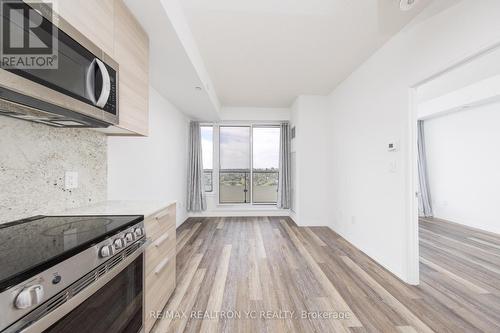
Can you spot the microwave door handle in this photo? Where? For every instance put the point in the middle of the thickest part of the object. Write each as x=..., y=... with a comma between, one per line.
x=106, y=84
x=90, y=82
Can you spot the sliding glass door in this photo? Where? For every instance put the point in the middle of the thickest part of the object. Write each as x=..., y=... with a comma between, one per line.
x=265, y=158
x=234, y=171
x=207, y=144
x=248, y=164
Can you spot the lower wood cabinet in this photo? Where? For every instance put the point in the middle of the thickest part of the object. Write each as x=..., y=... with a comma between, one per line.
x=159, y=262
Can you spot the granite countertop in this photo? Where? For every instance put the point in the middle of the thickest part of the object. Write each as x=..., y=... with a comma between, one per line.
x=119, y=207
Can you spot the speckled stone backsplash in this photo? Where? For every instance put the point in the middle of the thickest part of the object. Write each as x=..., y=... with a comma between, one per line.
x=33, y=161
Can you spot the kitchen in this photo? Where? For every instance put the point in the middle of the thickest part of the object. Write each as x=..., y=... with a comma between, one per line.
x=75, y=248
x=235, y=166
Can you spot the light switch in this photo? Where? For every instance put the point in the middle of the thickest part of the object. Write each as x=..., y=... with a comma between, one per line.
x=71, y=180
x=393, y=166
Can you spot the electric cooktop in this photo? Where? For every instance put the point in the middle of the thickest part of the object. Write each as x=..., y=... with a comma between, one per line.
x=29, y=246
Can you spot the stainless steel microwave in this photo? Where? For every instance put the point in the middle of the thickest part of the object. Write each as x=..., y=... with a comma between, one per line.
x=81, y=91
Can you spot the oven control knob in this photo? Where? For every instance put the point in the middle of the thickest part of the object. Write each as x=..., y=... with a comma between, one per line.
x=130, y=237
x=119, y=243
x=29, y=297
x=106, y=251
x=139, y=232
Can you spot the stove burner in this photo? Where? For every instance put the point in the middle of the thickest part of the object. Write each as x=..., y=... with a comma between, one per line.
x=32, y=245
x=78, y=226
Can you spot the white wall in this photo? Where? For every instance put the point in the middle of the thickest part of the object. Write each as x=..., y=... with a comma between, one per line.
x=470, y=73
x=154, y=167
x=463, y=160
x=371, y=187
x=254, y=114
x=310, y=187
x=480, y=93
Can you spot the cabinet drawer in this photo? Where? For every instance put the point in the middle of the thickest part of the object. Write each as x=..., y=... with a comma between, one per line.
x=160, y=284
x=160, y=222
x=161, y=247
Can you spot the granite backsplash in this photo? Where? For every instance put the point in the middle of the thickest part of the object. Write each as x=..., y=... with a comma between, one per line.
x=33, y=162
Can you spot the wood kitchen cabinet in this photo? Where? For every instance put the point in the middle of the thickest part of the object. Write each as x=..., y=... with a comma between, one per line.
x=159, y=264
x=93, y=18
x=131, y=51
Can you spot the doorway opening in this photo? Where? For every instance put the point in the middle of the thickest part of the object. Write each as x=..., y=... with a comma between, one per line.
x=455, y=125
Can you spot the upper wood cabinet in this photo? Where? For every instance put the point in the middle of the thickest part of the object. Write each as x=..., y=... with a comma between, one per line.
x=93, y=18
x=131, y=51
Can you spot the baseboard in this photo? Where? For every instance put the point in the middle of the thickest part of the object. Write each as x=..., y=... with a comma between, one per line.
x=379, y=262
x=184, y=221
x=293, y=217
x=240, y=213
x=403, y=279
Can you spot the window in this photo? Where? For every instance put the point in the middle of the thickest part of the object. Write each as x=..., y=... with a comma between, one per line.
x=234, y=172
x=207, y=148
x=266, y=150
x=249, y=164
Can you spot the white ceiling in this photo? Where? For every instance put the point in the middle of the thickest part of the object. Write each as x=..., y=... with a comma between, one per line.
x=176, y=68
x=264, y=53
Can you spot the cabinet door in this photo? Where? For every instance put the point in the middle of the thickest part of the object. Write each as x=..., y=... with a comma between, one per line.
x=131, y=51
x=92, y=18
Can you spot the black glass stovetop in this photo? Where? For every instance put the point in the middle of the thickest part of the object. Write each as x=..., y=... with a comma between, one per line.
x=29, y=246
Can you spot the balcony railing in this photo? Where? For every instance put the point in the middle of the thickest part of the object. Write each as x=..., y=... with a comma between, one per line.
x=265, y=186
x=234, y=186
x=208, y=180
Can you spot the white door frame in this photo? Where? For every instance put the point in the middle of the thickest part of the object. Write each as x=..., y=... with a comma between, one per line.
x=413, y=262
x=413, y=255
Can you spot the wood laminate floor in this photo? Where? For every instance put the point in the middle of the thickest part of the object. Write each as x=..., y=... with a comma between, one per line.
x=264, y=274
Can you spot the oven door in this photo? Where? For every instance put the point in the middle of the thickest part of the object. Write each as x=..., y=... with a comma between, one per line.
x=116, y=307
x=108, y=299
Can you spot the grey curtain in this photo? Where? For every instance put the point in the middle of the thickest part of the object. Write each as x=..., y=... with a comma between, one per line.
x=195, y=193
x=285, y=178
x=424, y=197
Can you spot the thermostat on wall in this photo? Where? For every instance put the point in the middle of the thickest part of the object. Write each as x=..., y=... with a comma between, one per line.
x=391, y=146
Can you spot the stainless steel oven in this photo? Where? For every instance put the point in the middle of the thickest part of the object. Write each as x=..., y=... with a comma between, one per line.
x=73, y=274
x=116, y=307
x=81, y=91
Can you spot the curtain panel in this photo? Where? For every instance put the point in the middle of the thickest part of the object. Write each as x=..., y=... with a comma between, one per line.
x=285, y=178
x=196, y=201
x=424, y=197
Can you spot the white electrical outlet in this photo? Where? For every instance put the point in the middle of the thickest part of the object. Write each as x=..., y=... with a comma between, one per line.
x=71, y=180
